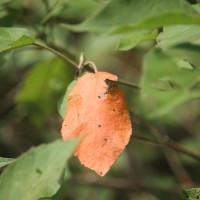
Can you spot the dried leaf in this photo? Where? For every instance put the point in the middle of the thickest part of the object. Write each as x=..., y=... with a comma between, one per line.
x=97, y=112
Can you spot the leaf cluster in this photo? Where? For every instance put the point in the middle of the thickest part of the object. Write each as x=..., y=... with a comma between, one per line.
x=154, y=44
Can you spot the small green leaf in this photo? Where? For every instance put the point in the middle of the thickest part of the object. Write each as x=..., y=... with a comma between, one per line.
x=137, y=37
x=11, y=38
x=37, y=173
x=5, y=161
x=21, y=42
x=174, y=35
x=43, y=87
x=120, y=16
x=187, y=52
x=63, y=105
x=165, y=84
x=77, y=11
x=184, y=64
x=191, y=194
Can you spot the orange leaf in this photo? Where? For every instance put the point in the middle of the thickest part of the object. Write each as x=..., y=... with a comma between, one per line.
x=99, y=113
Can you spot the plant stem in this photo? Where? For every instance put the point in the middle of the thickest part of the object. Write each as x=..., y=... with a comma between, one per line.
x=169, y=143
x=166, y=140
x=177, y=168
x=147, y=140
x=129, y=84
x=163, y=140
x=75, y=65
x=89, y=63
x=171, y=156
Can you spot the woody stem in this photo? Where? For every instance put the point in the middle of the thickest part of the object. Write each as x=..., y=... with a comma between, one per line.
x=64, y=57
x=76, y=66
x=91, y=64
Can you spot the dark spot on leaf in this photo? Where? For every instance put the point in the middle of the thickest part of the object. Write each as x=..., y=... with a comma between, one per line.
x=99, y=97
x=108, y=82
x=70, y=98
x=99, y=125
x=65, y=125
x=38, y=171
x=101, y=173
x=113, y=109
x=105, y=139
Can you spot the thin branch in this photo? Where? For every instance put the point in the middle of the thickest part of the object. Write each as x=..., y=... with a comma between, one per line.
x=75, y=65
x=170, y=155
x=120, y=184
x=173, y=161
x=178, y=169
x=89, y=63
x=147, y=140
x=129, y=84
x=166, y=140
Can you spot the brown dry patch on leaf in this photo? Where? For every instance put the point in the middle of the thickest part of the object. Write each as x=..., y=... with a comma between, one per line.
x=99, y=114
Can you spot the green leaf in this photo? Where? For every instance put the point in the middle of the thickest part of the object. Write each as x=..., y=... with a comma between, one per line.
x=78, y=11
x=11, y=38
x=43, y=87
x=186, y=52
x=38, y=173
x=184, y=64
x=58, y=7
x=191, y=194
x=5, y=161
x=63, y=105
x=174, y=35
x=4, y=2
x=165, y=84
x=137, y=37
x=127, y=15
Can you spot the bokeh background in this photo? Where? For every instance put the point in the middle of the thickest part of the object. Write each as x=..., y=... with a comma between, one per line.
x=34, y=80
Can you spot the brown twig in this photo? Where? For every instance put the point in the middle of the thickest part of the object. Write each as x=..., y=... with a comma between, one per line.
x=120, y=184
x=147, y=140
x=166, y=140
x=129, y=84
x=172, y=160
x=177, y=168
x=89, y=63
x=171, y=157
x=77, y=66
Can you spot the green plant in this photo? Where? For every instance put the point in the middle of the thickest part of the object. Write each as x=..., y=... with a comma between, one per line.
x=153, y=46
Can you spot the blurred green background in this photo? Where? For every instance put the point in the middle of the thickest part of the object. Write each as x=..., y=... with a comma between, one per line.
x=154, y=44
